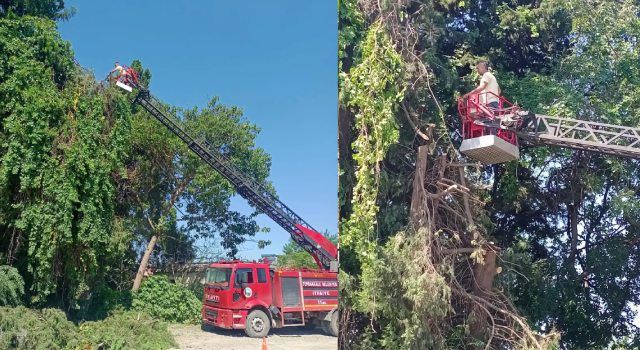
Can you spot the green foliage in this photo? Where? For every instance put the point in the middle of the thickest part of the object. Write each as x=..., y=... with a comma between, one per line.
x=45, y=329
x=127, y=330
x=534, y=36
x=578, y=59
x=208, y=197
x=534, y=279
x=414, y=291
x=85, y=180
x=62, y=142
x=351, y=29
x=50, y=9
x=587, y=292
x=170, y=184
x=104, y=302
x=197, y=289
x=167, y=301
x=34, y=329
x=294, y=256
x=372, y=89
x=11, y=286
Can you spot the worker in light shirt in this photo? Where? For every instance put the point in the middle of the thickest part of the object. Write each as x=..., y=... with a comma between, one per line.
x=488, y=89
x=118, y=70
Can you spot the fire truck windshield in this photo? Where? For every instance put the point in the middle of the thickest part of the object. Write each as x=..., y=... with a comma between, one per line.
x=219, y=276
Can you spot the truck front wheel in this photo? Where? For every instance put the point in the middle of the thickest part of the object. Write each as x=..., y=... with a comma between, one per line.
x=258, y=324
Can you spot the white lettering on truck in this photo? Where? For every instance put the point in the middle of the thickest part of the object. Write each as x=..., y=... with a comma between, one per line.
x=326, y=284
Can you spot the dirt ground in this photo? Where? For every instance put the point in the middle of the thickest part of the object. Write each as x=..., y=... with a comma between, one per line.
x=192, y=337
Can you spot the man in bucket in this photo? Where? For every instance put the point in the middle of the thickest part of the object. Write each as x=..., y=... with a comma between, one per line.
x=488, y=89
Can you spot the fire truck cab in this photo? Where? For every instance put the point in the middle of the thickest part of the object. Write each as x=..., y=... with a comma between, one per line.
x=255, y=297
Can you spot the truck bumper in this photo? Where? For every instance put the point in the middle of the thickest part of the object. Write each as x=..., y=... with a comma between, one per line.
x=224, y=318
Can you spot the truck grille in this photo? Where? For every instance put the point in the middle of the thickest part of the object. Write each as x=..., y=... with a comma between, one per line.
x=211, y=314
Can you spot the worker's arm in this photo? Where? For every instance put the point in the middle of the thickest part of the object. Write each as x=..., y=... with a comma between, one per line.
x=483, y=84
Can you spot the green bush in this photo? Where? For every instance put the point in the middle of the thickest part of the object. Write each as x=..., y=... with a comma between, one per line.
x=167, y=301
x=198, y=289
x=22, y=328
x=11, y=286
x=125, y=330
x=104, y=302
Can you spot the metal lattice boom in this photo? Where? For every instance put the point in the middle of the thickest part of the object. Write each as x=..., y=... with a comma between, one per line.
x=582, y=135
x=249, y=189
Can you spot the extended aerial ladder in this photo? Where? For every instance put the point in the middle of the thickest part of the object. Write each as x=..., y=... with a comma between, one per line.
x=492, y=135
x=324, y=252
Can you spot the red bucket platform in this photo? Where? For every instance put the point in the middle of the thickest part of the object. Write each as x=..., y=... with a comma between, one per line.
x=487, y=144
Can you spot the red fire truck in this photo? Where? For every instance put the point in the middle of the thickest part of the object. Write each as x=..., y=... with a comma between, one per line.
x=253, y=295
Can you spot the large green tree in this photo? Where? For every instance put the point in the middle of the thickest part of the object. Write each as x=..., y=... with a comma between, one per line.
x=173, y=195
x=89, y=183
x=570, y=216
x=565, y=220
x=62, y=140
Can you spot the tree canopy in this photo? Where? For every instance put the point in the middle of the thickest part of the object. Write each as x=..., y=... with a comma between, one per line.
x=87, y=179
x=563, y=222
x=50, y=9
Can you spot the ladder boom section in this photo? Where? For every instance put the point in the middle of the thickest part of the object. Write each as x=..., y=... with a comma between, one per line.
x=323, y=251
x=592, y=136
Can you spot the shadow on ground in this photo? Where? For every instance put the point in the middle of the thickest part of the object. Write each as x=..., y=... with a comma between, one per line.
x=282, y=332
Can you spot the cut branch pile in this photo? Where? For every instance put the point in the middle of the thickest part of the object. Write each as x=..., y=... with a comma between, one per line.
x=443, y=209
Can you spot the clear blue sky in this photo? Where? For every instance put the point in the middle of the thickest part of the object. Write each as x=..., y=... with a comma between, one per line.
x=274, y=59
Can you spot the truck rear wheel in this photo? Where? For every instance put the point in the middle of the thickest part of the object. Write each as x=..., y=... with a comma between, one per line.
x=258, y=324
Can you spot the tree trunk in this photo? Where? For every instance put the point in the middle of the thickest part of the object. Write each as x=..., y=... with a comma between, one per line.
x=483, y=274
x=573, y=226
x=346, y=180
x=465, y=198
x=417, y=210
x=144, y=262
